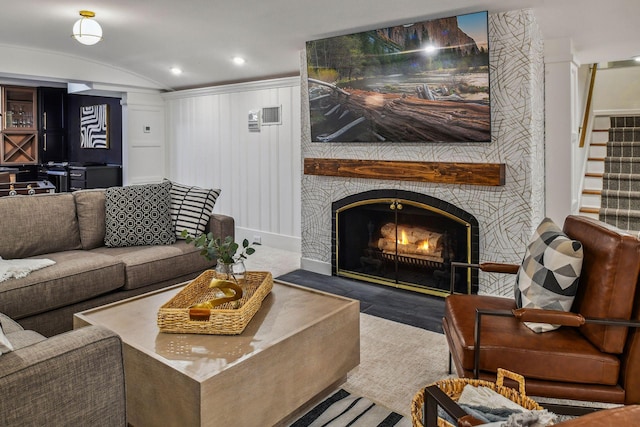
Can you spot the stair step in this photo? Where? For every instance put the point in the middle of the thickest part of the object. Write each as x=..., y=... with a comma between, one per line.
x=621, y=177
x=624, y=134
x=622, y=165
x=590, y=210
x=596, y=159
x=624, y=219
x=595, y=192
x=594, y=175
x=593, y=183
x=624, y=121
x=627, y=194
x=622, y=159
x=598, y=150
x=600, y=167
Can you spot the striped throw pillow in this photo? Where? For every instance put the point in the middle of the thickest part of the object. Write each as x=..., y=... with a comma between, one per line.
x=191, y=208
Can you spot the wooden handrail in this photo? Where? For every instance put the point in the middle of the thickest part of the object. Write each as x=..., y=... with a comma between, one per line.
x=587, y=107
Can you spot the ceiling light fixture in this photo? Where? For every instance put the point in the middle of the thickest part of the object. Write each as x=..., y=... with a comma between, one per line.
x=238, y=60
x=86, y=30
x=176, y=70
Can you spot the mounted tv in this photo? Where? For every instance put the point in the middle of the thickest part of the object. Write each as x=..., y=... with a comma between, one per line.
x=420, y=82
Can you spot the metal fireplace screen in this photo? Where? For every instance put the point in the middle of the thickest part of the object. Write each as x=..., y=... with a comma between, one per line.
x=406, y=242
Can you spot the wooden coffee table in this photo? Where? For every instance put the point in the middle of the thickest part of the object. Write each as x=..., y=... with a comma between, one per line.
x=299, y=344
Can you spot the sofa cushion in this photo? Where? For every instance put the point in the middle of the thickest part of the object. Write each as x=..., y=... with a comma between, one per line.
x=549, y=274
x=145, y=265
x=91, y=217
x=138, y=215
x=38, y=224
x=76, y=276
x=191, y=208
x=560, y=355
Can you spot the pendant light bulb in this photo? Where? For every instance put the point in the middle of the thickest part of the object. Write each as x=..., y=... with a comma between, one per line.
x=87, y=30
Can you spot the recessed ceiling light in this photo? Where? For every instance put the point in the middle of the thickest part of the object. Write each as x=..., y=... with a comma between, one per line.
x=176, y=70
x=239, y=60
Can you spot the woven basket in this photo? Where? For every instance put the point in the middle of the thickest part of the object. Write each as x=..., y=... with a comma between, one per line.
x=230, y=318
x=453, y=388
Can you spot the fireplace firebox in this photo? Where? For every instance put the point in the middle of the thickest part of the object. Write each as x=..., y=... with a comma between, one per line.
x=406, y=240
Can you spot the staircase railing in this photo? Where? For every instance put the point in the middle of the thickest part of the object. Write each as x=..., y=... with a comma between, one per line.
x=587, y=107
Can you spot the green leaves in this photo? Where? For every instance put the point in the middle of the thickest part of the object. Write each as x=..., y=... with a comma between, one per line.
x=217, y=249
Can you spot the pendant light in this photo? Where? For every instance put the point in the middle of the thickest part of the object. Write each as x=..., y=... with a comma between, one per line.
x=87, y=30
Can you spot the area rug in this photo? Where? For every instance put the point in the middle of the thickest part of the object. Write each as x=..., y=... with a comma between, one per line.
x=396, y=360
x=343, y=409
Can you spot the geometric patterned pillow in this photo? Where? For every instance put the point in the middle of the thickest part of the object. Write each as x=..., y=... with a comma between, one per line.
x=138, y=215
x=191, y=208
x=549, y=274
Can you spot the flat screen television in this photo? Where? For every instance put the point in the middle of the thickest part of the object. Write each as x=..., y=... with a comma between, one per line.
x=420, y=82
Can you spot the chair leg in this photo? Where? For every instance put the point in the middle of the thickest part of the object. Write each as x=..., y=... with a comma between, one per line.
x=449, y=363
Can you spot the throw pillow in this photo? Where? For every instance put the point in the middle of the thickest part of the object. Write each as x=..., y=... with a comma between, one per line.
x=191, y=208
x=5, y=345
x=138, y=215
x=549, y=274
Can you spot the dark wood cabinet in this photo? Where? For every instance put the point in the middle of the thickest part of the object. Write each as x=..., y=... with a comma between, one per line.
x=52, y=130
x=83, y=177
x=19, y=137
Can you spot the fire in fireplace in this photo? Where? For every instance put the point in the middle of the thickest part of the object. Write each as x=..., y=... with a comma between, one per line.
x=404, y=239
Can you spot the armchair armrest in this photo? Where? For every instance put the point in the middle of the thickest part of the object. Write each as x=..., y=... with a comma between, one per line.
x=555, y=317
x=435, y=397
x=489, y=267
x=75, y=378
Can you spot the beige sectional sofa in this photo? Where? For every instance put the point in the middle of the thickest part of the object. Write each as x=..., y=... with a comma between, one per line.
x=69, y=229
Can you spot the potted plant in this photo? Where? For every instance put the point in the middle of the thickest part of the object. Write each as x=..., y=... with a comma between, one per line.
x=227, y=252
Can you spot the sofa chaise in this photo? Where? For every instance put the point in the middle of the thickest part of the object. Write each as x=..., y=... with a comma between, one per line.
x=71, y=379
x=69, y=229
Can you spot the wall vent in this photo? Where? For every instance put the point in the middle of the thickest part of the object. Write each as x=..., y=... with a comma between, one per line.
x=272, y=116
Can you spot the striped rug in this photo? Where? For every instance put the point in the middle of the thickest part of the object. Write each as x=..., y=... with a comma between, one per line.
x=343, y=409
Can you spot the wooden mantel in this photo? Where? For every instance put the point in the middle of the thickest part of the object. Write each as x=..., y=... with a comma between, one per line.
x=491, y=174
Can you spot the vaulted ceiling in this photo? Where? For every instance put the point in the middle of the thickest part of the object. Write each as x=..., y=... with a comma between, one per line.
x=145, y=38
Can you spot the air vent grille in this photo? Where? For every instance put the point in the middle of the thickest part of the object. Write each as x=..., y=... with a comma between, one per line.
x=271, y=116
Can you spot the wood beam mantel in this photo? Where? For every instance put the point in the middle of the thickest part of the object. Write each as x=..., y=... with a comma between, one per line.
x=490, y=174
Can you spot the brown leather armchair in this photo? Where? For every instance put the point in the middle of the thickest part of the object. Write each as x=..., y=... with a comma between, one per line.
x=594, y=356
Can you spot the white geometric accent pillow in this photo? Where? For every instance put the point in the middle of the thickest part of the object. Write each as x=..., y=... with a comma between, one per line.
x=549, y=274
x=138, y=215
x=191, y=208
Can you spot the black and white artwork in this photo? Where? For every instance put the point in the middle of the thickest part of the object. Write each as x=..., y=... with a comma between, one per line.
x=94, y=132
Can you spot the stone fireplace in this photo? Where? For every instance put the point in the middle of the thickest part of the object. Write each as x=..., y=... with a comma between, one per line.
x=506, y=214
x=404, y=239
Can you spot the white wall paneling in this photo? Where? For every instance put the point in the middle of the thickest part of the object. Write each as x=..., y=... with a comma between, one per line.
x=143, y=154
x=563, y=159
x=209, y=145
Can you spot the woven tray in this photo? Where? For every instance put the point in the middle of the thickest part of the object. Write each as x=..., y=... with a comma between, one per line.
x=453, y=388
x=229, y=318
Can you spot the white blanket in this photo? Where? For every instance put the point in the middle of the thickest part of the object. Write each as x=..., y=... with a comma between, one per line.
x=18, y=268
